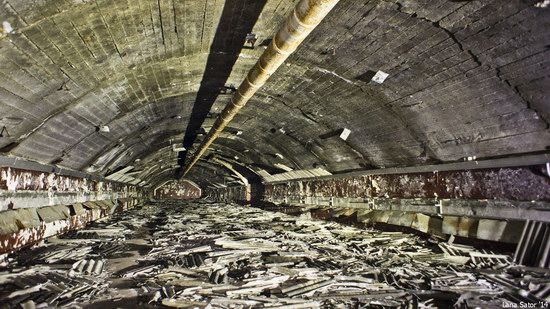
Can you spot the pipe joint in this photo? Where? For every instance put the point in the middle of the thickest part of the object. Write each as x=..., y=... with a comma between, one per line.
x=279, y=50
x=251, y=84
x=301, y=22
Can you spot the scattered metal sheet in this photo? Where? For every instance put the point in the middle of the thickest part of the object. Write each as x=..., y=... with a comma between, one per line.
x=53, y=213
x=215, y=255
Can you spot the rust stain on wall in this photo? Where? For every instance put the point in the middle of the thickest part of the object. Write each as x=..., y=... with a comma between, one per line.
x=516, y=184
x=30, y=236
x=13, y=179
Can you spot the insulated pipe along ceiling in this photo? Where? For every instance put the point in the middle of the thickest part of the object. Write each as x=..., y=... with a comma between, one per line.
x=304, y=18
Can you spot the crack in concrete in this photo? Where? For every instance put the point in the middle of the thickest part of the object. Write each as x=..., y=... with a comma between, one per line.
x=436, y=24
x=336, y=75
x=528, y=103
x=305, y=145
x=83, y=40
x=161, y=26
x=175, y=17
x=476, y=59
x=304, y=113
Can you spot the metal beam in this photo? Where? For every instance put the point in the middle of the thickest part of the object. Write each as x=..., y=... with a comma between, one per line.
x=513, y=161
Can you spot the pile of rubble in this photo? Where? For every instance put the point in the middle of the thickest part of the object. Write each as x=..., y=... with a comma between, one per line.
x=209, y=255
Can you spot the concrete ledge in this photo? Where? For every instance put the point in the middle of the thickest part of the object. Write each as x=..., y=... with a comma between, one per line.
x=486, y=209
x=24, y=227
x=508, y=231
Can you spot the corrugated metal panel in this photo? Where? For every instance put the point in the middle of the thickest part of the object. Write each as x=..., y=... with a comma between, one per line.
x=78, y=209
x=53, y=213
x=12, y=221
x=297, y=174
x=91, y=205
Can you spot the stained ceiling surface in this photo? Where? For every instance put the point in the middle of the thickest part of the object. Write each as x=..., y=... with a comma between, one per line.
x=125, y=85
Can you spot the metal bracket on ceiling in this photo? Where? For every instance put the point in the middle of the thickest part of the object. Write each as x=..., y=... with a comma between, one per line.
x=4, y=129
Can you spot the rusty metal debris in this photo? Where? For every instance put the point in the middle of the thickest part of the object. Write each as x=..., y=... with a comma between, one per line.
x=213, y=255
x=534, y=246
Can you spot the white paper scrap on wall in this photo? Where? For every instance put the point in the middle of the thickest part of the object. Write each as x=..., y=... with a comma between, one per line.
x=345, y=134
x=379, y=77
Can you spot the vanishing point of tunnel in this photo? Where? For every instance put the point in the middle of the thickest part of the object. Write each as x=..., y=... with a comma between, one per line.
x=275, y=154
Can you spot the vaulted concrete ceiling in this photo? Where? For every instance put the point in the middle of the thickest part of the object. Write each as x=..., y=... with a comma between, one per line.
x=466, y=78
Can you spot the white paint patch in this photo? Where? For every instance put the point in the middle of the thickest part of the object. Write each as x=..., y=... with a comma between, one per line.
x=7, y=27
x=542, y=4
x=334, y=73
x=380, y=77
x=339, y=158
x=11, y=182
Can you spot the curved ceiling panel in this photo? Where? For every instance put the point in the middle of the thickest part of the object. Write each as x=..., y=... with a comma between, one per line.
x=465, y=78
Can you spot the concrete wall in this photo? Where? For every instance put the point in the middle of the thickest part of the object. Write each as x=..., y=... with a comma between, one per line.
x=484, y=203
x=178, y=190
x=44, y=202
x=21, y=188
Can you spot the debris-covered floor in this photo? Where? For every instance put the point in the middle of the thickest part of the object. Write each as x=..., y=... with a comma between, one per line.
x=210, y=255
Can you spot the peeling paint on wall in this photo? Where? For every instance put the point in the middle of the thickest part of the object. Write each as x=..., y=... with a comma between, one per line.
x=23, y=188
x=516, y=184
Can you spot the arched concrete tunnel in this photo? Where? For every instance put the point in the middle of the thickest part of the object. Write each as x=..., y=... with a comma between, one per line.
x=200, y=141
